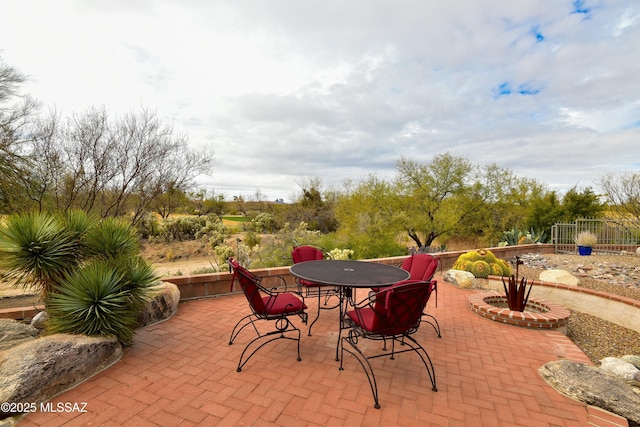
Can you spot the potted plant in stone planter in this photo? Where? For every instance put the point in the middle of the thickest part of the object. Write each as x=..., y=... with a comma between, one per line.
x=585, y=240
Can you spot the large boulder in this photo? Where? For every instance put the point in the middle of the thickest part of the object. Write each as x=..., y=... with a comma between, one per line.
x=13, y=333
x=37, y=370
x=593, y=386
x=633, y=359
x=163, y=304
x=462, y=279
x=559, y=276
x=623, y=369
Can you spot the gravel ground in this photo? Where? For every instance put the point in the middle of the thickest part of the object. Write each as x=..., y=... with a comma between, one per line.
x=615, y=274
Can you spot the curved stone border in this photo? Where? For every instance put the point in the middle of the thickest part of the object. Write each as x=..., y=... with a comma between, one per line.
x=547, y=316
x=617, y=298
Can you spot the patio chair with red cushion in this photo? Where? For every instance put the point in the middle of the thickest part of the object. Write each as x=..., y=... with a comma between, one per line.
x=309, y=289
x=268, y=305
x=392, y=314
x=424, y=267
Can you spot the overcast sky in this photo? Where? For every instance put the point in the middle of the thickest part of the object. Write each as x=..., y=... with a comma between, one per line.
x=285, y=90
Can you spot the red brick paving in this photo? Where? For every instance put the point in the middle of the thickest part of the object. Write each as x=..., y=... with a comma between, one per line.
x=183, y=372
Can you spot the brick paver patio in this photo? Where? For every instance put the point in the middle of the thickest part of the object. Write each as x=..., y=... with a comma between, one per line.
x=183, y=372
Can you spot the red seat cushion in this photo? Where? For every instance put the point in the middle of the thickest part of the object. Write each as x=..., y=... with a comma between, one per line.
x=309, y=284
x=283, y=303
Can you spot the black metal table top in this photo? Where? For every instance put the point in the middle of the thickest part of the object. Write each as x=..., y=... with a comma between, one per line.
x=353, y=274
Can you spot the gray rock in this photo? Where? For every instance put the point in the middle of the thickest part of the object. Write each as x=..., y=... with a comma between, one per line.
x=38, y=370
x=559, y=276
x=463, y=279
x=593, y=386
x=162, y=305
x=13, y=333
x=622, y=369
x=633, y=359
x=39, y=321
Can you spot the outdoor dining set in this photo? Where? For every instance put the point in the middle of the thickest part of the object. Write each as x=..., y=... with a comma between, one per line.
x=390, y=307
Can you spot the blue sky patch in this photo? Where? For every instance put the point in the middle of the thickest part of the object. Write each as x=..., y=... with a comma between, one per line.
x=535, y=31
x=505, y=89
x=580, y=8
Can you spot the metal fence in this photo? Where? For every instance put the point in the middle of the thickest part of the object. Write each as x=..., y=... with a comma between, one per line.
x=614, y=236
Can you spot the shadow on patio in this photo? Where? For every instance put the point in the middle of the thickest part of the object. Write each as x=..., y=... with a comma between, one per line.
x=183, y=372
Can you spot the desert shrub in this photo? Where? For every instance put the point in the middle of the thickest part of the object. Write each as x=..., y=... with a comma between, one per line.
x=264, y=222
x=340, y=253
x=223, y=253
x=214, y=231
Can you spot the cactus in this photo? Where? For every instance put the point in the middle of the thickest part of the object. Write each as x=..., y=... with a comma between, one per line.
x=481, y=269
x=482, y=263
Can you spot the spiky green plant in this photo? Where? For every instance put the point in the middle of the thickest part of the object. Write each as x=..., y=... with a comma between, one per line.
x=469, y=262
x=93, y=301
x=36, y=250
x=139, y=277
x=481, y=269
x=112, y=238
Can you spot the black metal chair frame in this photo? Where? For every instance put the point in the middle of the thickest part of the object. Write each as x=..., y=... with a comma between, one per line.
x=401, y=334
x=281, y=323
x=318, y=292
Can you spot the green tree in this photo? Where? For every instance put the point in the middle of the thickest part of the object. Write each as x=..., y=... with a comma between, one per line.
x=581, y=204
x=432, y=196
x=368, y=218
x=170, y=200
x=545, y=211
x=314, y=206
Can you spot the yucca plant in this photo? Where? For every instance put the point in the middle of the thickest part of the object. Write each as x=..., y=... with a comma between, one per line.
x=112, y=238
x=36, y=250
x=89, y=271
x=93, y=301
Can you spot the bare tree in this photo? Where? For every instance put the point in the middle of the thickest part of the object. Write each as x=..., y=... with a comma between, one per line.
x=116, y=168
x=623, y=193
x=16, y=111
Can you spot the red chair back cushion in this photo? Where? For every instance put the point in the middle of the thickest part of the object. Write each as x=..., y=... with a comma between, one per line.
x=306, y=253
x=421, y=266
x=402, y=308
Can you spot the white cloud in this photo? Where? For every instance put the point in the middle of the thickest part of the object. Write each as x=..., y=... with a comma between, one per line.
x=285, y=90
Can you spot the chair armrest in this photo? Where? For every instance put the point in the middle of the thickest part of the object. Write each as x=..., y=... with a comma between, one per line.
x=282, y=288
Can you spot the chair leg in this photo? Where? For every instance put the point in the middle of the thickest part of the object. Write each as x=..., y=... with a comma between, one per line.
x=242, y=323
x=283, y=326
x=364, y=363
x=420, y=350
x=435, y=325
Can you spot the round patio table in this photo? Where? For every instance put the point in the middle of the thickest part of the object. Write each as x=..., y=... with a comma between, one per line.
x=346, y=275
x=349, y=273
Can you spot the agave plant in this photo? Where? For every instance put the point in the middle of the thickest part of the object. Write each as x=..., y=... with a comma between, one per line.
x=516, y=293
